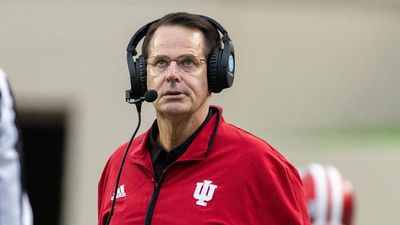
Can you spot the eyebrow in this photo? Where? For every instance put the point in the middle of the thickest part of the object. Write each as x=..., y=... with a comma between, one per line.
x=164, y=56
x=158, y=56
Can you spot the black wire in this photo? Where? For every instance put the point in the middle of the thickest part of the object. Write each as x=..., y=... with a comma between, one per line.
x=138, y=108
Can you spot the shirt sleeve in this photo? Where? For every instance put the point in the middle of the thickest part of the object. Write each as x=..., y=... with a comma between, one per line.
x=279, y=190
x=288, y=190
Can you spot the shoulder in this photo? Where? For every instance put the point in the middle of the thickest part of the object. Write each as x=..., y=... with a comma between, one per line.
x=248, y=142
x=114, y=161
x=116, y=157
x=255, y=151
x=263, y=168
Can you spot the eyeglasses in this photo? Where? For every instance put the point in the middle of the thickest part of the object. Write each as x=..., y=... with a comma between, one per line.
x=186, y=63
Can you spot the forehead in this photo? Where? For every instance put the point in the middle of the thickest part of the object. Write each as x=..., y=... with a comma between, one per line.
x=176, y=40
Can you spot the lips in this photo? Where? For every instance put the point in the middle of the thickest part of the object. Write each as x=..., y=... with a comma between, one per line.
x=172, y=93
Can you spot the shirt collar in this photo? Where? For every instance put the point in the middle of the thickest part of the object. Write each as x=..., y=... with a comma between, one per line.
x=139, y=152
x=157, y=151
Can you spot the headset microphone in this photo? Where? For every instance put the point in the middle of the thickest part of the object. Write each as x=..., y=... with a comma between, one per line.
x=149, y=96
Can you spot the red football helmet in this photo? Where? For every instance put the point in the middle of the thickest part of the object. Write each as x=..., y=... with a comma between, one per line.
x=330, y=196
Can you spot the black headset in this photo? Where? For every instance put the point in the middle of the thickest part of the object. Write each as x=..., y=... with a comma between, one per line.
x=220, y=63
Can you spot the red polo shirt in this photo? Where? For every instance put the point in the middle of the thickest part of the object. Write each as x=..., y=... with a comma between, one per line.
x=226, y=176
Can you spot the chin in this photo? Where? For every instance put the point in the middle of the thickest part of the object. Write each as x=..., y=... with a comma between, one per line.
x=173, y=109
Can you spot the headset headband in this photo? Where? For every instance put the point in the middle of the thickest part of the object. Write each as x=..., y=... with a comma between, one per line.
x=141, y=33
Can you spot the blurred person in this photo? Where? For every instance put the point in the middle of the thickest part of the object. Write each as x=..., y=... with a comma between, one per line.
x=14, y=204
x=330, y=196
x=190, y=166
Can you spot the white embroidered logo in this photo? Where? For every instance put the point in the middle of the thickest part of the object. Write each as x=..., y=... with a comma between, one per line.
x=120, y=192
x=204, y=192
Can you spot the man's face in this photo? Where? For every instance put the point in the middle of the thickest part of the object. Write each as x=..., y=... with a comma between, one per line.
x=182, y=86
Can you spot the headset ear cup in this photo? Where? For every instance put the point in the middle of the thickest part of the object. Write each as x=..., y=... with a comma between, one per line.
x=142, y=74
x=212, y=71
x=133, y=92
x=227, y=65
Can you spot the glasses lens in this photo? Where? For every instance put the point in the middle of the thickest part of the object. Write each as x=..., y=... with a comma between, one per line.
x=159, y=63
x=186, y=63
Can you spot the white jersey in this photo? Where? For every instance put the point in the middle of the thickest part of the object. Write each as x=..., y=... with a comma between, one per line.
x=14, y=204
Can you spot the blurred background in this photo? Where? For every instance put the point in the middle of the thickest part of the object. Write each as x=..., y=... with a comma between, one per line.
x=316, y=79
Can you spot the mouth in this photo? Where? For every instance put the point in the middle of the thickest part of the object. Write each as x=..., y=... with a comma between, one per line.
x=173, y=96
x=172, y=93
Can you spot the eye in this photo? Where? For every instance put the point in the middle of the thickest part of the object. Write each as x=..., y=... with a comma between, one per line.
x=187, y=62
x=161, y=62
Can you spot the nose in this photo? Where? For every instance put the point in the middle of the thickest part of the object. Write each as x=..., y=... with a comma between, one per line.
x=173, y=72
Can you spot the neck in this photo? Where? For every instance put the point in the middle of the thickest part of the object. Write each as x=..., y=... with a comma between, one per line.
x=174, y=130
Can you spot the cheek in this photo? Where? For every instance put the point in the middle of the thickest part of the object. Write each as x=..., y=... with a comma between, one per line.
x=204, y=83
x=153, y=82
x=201, y=81
x=197, y=83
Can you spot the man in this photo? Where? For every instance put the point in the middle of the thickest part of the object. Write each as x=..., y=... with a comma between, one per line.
x=191, y=167
x=14, y=204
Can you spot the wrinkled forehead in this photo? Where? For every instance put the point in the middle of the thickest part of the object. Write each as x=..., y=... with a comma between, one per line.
x=174, y=41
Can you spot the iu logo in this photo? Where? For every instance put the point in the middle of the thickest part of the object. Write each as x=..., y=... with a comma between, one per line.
x=204, y=192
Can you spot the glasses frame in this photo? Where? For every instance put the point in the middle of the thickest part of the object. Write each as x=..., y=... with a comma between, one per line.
x=179, y=61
